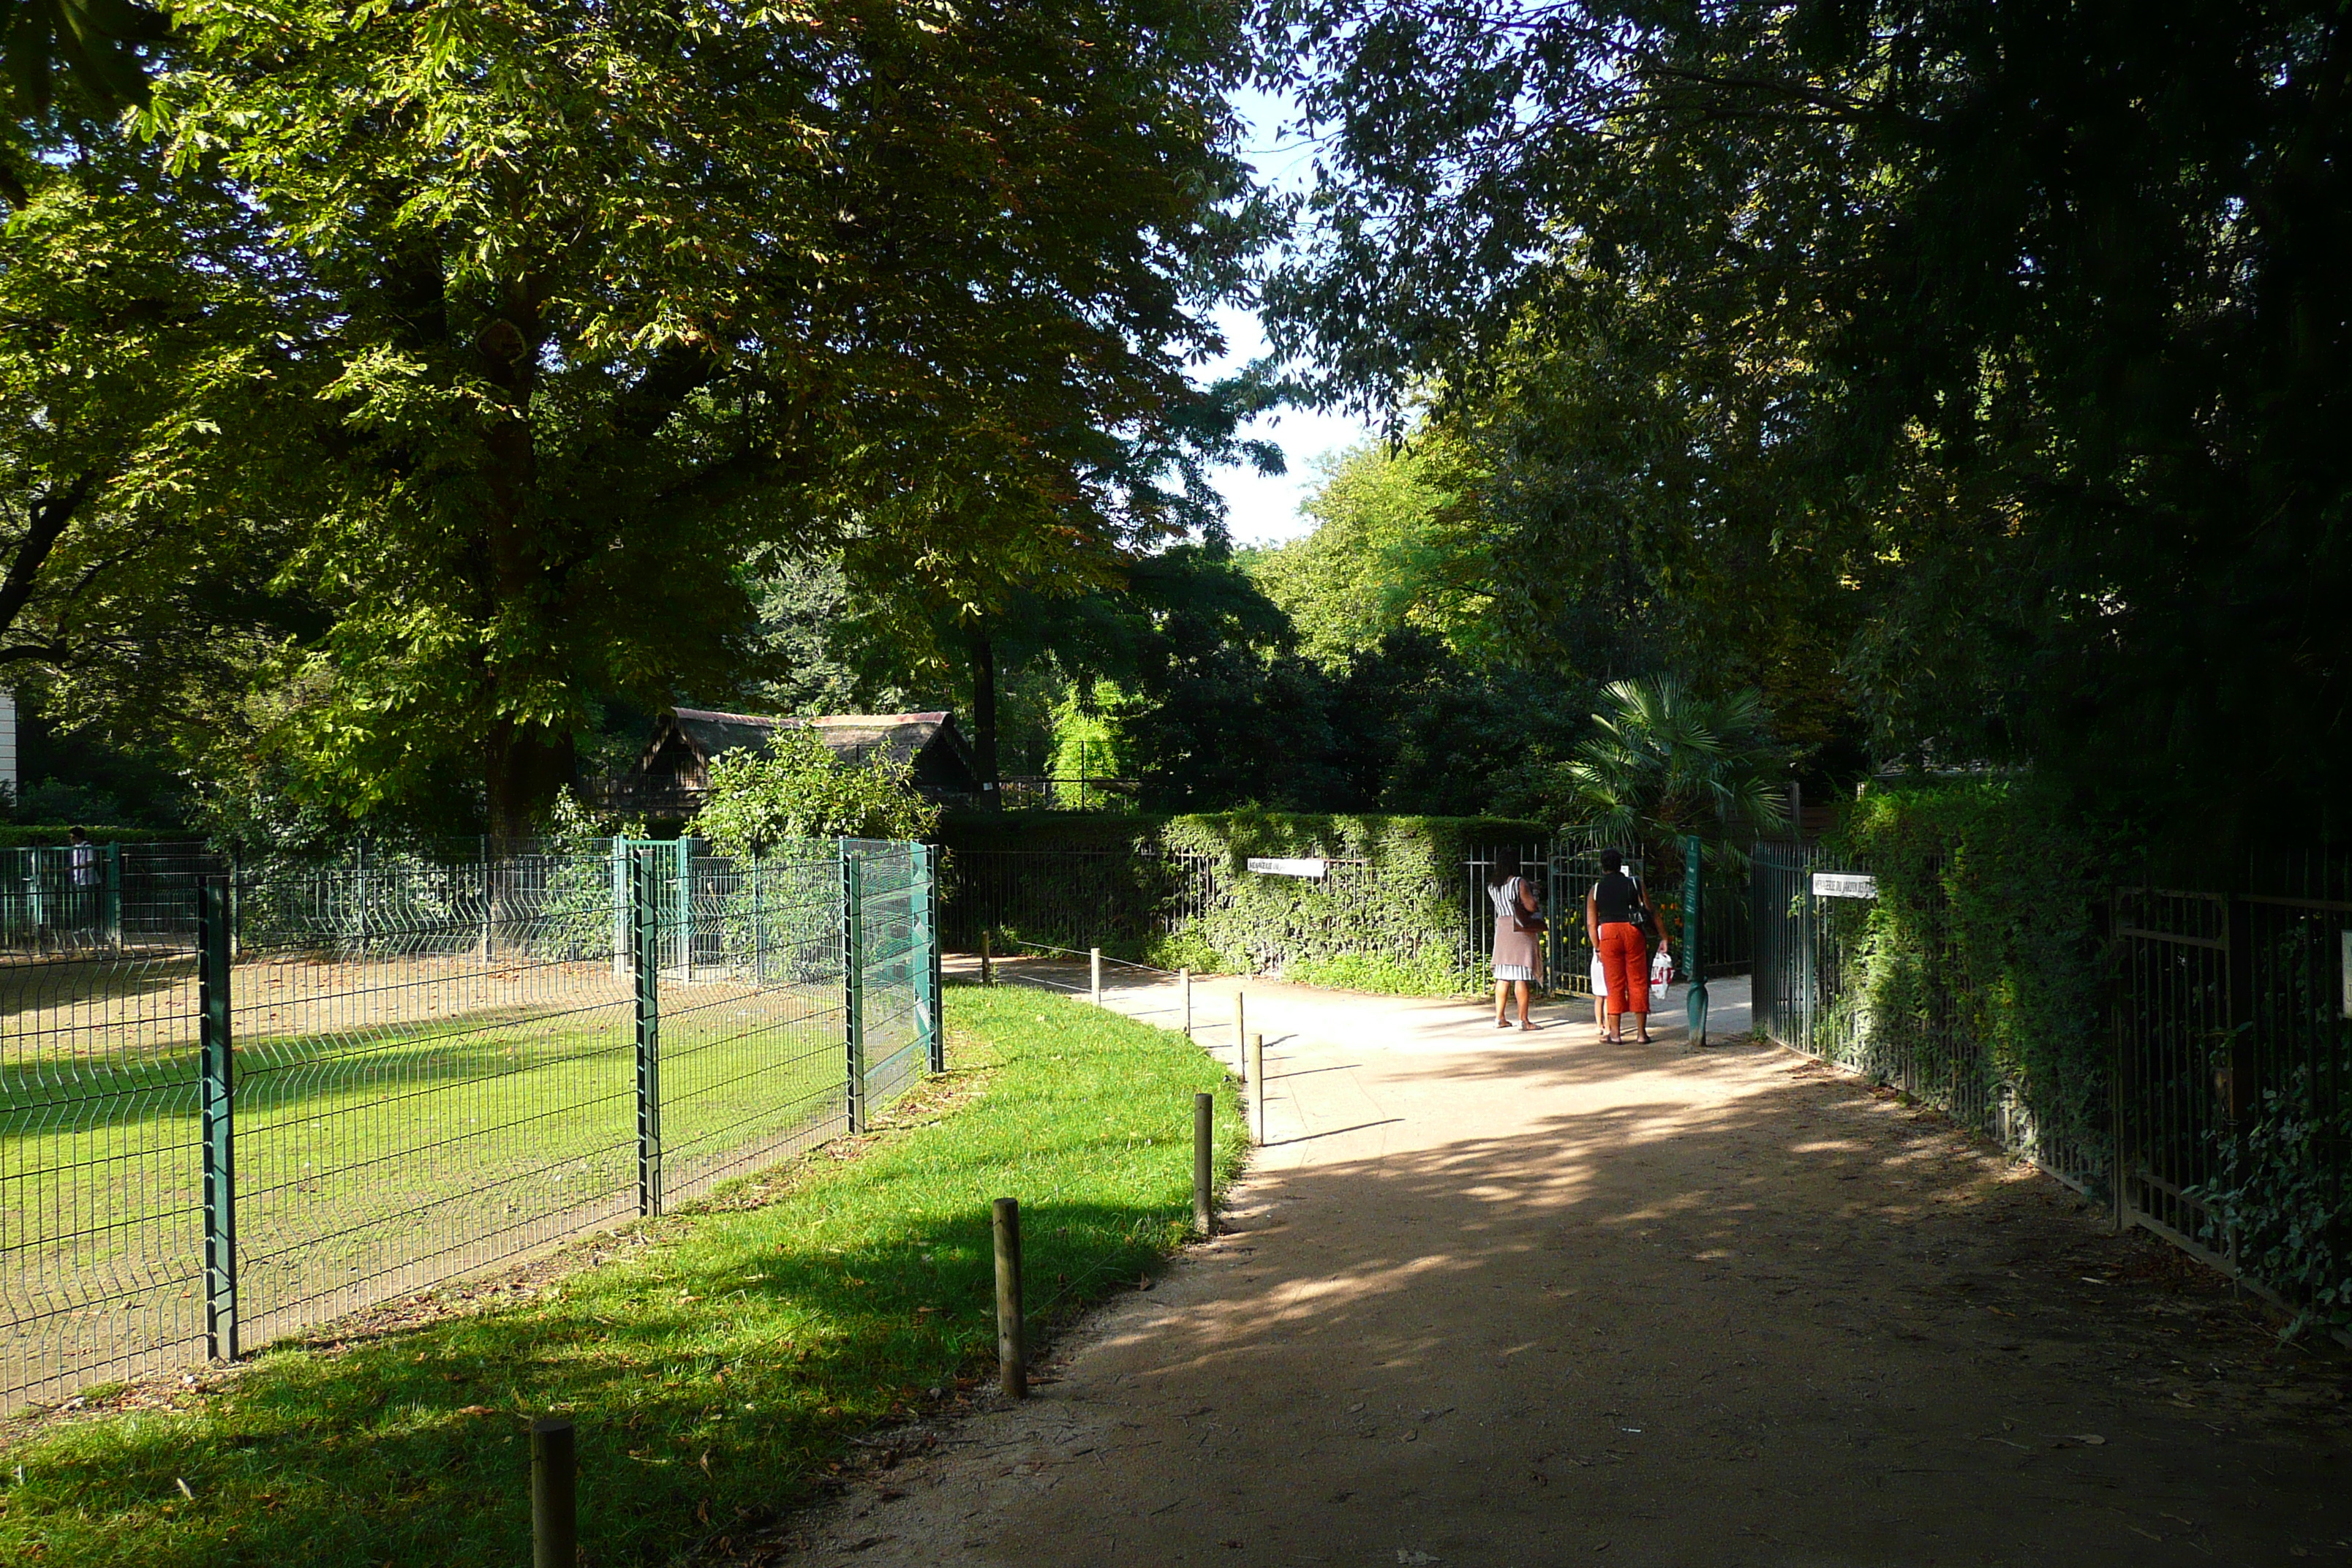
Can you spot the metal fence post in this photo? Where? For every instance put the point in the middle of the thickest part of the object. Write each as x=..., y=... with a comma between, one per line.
x=1094, y=974
x=110, y=910
x=623, y=952
x=925, y=909
x=1694, y=890
x=645, y=927
x=685, y=916
x=216, y=1069
x=489, y=900
x=853, y=987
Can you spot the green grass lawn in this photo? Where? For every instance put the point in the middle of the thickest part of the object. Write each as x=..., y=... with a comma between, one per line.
x=710, y=1375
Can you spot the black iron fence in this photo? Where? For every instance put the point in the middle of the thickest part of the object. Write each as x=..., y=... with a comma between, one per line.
x=1071, y=898
x=2232, y=1018
x=1831, y=983
x=1563, y=873
x=2221, y=1114
x=353, y=1083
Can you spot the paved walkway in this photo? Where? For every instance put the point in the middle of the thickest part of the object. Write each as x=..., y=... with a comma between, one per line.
x=1489, y=1298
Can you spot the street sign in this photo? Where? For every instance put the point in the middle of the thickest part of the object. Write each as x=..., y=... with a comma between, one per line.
x=1844, y=885
x=1275, y=865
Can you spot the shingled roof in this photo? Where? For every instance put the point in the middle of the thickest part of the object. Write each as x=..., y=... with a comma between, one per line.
x=685, y=739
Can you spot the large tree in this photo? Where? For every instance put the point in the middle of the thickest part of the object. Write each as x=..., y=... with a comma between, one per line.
x=580, y=312
x=2023, y=321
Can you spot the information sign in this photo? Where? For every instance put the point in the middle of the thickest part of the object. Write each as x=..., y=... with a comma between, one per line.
x=1844, y=885
x=1274, y=866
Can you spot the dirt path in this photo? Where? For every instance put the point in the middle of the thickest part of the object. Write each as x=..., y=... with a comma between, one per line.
x=1495, y=1299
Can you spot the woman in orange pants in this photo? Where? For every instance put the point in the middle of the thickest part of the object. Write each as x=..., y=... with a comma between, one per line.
x=1618, y=913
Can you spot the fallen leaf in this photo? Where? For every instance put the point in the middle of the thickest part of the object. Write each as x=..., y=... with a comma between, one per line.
x=2090, y=1439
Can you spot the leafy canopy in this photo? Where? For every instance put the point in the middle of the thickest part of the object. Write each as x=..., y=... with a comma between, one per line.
x=2016, y=333
x=1663, y=762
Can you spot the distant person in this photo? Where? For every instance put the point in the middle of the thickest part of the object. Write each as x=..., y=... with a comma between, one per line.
x=1518, y=936
x=1619, y=913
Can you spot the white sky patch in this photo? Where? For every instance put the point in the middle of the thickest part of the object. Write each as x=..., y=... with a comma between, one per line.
x=1262, y=508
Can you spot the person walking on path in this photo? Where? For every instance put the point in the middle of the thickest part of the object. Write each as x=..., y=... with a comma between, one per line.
x=1618, y=914
x=1518, y=928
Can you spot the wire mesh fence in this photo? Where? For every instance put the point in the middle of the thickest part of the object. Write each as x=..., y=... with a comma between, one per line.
x=355, y=1082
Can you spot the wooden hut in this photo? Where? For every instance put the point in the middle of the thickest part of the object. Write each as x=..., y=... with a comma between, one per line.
x=674, y=772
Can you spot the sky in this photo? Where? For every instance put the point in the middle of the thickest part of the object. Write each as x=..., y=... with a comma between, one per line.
x=1264, y=508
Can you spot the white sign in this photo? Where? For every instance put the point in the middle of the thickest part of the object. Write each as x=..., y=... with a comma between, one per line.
x=1272, y=865
x=1844, y=885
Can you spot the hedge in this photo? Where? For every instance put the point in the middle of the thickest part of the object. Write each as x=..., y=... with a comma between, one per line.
x=44, y=836
x=1984, y=938
x=1391, y=915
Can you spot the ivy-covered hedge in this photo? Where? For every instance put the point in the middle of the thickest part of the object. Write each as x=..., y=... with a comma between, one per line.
x=1979, y=964
x=1392, y=915
x=44, y=837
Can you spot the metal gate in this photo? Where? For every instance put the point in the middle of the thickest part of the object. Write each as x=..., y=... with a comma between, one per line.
x=1565, y=875
x=2230, y=1028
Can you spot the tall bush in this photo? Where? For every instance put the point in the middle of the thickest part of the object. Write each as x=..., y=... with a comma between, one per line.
x=1985, y=932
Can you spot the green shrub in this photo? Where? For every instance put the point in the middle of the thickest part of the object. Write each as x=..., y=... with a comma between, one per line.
x=1391, y=916
x=798, y=788
x=1980, y=959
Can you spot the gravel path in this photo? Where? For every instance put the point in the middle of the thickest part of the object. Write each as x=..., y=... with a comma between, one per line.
x=1499, y=1298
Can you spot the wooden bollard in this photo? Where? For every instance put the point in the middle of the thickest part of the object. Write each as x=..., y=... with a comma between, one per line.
x=987, y=967
x=1241, y=1041
x=1257, y=1083
x=1204, y=1132
x=554, y=1495
x=1093, y=969
x=1184, y=987
x=1011, y=1338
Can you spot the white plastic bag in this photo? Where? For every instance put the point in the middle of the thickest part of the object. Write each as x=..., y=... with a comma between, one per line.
x=1600, y=977
x=1661, y=977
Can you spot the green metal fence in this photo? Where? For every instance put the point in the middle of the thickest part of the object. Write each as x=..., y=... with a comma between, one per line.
x=350, y=1084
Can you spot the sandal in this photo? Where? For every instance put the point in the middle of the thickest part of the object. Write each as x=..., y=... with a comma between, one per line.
x=1530, y=1027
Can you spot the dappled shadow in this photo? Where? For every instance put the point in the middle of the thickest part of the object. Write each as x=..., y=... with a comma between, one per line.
x=1707, y=1307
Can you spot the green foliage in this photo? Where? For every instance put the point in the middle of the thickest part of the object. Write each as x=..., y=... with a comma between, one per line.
x=522, y=394
x=2282, y=1203
x=1391, y=918
x=1928, y=361
x=1085, y=745
x=39, y=835
x=725, y=1364
x=1985, y=926
x=1396, y=544
x=1664, y=762
x=796, y=787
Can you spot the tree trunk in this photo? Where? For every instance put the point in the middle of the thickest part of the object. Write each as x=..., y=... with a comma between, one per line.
x=984, y=716
x=522, y=769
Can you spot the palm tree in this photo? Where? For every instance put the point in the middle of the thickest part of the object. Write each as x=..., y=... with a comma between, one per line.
x=1664, y=763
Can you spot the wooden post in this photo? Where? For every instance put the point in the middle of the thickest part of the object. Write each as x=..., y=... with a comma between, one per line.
x=1241, y=1041
x=1204, y=1129
x=1184, y=984
x=987, y=969
x=554, y=1495
x=1012, y=1339
x=1257, y=1083
x=1094, y=969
